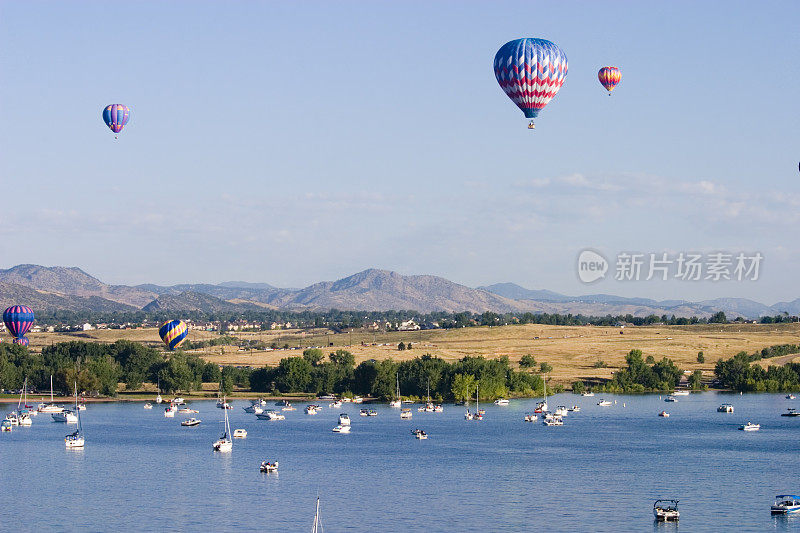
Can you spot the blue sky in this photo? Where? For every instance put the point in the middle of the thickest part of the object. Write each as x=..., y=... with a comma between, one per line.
x=291, y=142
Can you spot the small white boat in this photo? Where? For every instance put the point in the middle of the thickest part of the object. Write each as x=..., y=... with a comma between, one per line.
x=604, y=403
x=178, y=401
x=66, y=416
x=271, y=414
x=553, y=420
x=335, y=405
x=344, y=419
x=531, y=417
x=750, y=427
x=253, y=409
x=13, y=418
x=468, y=415
x=561, y=410
x=268, y=467
x=666, y=510
x=50, y=407
x=786, y=504
x=239, y=433
x=664, y=414
x=363, y=412
x=791, y=411
x=670, y=399
x=358, y=399
x=436, y=409
x=24, y=418
x=419, y=434
x=311, y=409
x=790, y=396
x=148, y=405
x=372, y=412
x=574, y=409
x=341, y=429
x=159, y=399
x=224, y=405
x=187, y=411
x=190, y=422
x=587, y=394
x=725, y=408
x=6, y=425
x=75, y=440
x=405, y=413
x=681, y=393
x=396, y=403
x=170, y=411
x=501, y=401
x=224, y=443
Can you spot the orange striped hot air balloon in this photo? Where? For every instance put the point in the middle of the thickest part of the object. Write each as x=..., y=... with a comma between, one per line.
x=609, y=77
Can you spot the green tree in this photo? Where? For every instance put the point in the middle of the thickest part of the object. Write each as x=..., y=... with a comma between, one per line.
x=545, y=368
x=701, y=358
x=527, y=361
x=293, y=375
x=401, y=346
x=463, y=387
x=578, y=387
x=696, y=380
x=313, y=355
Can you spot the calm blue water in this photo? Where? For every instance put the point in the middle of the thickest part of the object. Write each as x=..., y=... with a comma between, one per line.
x=601, y=471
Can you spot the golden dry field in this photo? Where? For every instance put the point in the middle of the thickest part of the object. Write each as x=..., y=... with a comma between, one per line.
x=572, y=351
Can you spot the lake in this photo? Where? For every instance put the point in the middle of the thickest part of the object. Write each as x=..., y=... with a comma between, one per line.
x=601, y=471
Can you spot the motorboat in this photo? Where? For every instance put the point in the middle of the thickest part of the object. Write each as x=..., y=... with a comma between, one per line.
x=13, y=418
x=541, y=407
x=270, y=414
x=344, y=419
x=561, y=410
x=588, y=394
x=790, y=396
x=501, y=401
x=358, y=399
x=372, y=412
x=268, y=467
x=681, y=393
x=670, y=399
x=666, y=510
x=224, y=443
x=187, y=411
x=190, y=422
x=604, y=403
x=363, y=412
x=341, y=429
x=553, y=420
x=81, y=407
x=260, y=402
x=405, y=413
x=419, y=434
x=396, y=403
x=178, y=401
x=335, y=404
x=288, y=407
x=750, y=427
x=148, y=405
x=468, y=415
x=311, y=409
x=574, y=409
x=170, y=411
x=239, y=433
x=24, y=418
x=6, y=425
x=725, y=408
x=437, y=408
x=530, y=417
x=65, y=416
x=785, y=504
x=222, y=404
x=253, y=409
x=663, y=414
x=791, y=411
x=345, y=399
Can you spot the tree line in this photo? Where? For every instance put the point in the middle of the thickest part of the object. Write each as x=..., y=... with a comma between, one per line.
x=738, y=372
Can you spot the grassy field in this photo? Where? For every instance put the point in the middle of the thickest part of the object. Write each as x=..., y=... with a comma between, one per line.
x=572, y=351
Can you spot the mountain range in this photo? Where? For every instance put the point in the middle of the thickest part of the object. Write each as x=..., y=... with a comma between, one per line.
x=70, y=288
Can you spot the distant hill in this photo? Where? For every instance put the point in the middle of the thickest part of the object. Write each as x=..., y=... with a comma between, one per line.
x=70, y=288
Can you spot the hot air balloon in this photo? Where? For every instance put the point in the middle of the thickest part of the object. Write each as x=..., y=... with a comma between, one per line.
x=116, y=116
x=530, y=71
x=18, y=320
x=22, y=341
x=609, y=77
x=173, y=333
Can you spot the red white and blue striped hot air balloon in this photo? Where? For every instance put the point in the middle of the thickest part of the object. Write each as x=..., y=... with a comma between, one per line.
x=173, y=333
x=530, y=71
x=116, y=116
x=18, y=320
x=22, y=341
x=609, y=77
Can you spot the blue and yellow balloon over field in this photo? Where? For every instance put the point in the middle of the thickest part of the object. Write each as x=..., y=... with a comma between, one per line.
x=173, y=333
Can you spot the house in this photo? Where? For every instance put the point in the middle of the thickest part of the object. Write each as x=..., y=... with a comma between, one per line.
x=87, y=327
x=408, y=325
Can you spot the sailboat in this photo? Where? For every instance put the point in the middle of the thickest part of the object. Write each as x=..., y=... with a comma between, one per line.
x=317, y=527
x=478, y=411
x=224, y=444
x=541, y=407
x=23, y=415
x=75, y=440
x=50, y=407
x=397, y=402
x=159, y=399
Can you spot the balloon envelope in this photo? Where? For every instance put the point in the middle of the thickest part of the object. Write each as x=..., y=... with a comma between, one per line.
x=530, y=71
x=18, y=320
x=173, y=333
x=116, y=116
x=609, y=77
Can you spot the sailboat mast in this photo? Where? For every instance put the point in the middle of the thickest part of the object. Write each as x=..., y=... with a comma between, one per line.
x=316, y=518
x=51, y=388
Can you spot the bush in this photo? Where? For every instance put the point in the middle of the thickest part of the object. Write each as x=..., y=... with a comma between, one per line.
x=701, y=358
x=600, y=364
x=578, y=387
x=527, y=361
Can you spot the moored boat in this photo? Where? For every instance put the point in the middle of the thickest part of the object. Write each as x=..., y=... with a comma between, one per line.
x=530, y=417
x=604, y=403
x=66, y=416
x=224, y=443
x=190, y=422
x=750, y=427
x=270, y=414
x=670, y=399
x=666, y=510
x=791, y=411
x=341, y=429
x=268, y=467
x=405, y=413
x=344, y=419
x=786, y=504
x=501, y=401
x=725, y=408
x=239, y=433
x=663, y=414
x=148, y=405
x=75, y=440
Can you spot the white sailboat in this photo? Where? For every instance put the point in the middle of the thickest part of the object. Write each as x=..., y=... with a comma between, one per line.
x=159, y=399
x=75, y=440
x=397, y=402
x=317, y=527
x=50, y=407
x=541, y=407
x=224, y=444
x=23, y=415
